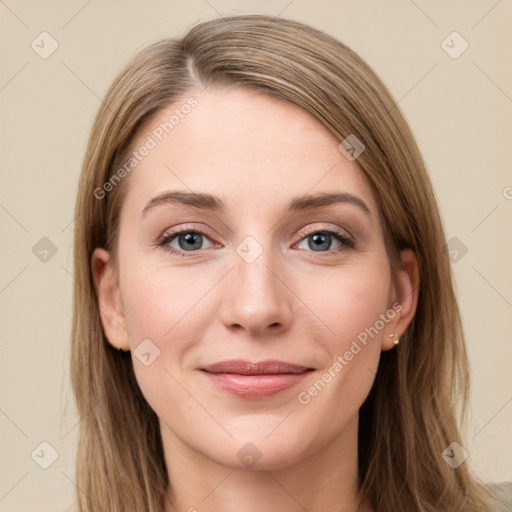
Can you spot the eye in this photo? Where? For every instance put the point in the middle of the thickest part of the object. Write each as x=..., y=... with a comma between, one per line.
x=320, y=241
x=187, y=240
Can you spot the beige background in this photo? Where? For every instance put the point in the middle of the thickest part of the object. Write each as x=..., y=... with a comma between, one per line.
x=460, y=110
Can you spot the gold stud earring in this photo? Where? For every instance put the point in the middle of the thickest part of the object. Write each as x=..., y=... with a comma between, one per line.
x=395, y=342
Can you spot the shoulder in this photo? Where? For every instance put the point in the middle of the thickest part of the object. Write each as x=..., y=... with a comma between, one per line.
x=501, y=495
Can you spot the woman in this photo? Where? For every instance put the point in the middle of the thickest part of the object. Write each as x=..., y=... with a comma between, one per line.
x=264, y=314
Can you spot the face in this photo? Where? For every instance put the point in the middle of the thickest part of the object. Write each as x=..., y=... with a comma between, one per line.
x=257, y=274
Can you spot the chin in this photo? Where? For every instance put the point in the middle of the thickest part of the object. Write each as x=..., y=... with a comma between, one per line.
x=258, y=452
x=263, y=458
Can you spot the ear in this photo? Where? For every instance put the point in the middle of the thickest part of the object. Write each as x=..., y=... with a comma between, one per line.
x=406, y=282
x=109, y=299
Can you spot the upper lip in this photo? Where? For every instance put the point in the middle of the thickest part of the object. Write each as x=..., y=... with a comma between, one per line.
x=258, y=368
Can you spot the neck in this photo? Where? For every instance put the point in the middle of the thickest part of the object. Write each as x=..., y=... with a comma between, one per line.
x=325, y=479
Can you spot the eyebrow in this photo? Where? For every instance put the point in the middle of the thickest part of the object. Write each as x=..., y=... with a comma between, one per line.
x=215, y=204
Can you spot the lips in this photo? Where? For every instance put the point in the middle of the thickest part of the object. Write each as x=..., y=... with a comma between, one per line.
x=241, y=367
x=255, y=380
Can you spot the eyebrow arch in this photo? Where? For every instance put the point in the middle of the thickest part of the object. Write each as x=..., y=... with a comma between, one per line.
x=214, y=203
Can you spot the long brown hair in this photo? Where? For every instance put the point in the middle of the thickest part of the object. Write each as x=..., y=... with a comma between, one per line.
x=420, y=392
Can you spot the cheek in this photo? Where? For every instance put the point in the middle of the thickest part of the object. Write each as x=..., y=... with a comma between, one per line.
x=352, y=309
x=167, y=312
x=158, y=300
x=163, y=320
x=349, y=302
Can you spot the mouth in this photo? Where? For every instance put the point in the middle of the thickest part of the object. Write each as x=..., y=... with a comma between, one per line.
x=255, y=380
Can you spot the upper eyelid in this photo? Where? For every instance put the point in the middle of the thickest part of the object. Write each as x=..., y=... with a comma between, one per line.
x=186, y=229
x=303, y=232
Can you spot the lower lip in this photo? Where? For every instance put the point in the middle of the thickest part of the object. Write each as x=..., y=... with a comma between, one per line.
x=255, y=386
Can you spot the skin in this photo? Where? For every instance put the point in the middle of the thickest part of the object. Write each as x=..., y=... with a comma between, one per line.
x=291, y=303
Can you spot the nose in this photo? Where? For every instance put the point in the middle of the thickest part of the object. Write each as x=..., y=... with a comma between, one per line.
x=258, y=300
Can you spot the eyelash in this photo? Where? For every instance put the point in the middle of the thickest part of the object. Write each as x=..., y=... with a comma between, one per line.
x=346, y=241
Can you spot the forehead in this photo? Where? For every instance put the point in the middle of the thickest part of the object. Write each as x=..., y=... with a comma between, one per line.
x=240, y=144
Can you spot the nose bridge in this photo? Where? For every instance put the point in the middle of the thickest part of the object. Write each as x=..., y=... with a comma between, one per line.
x=254, y=264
